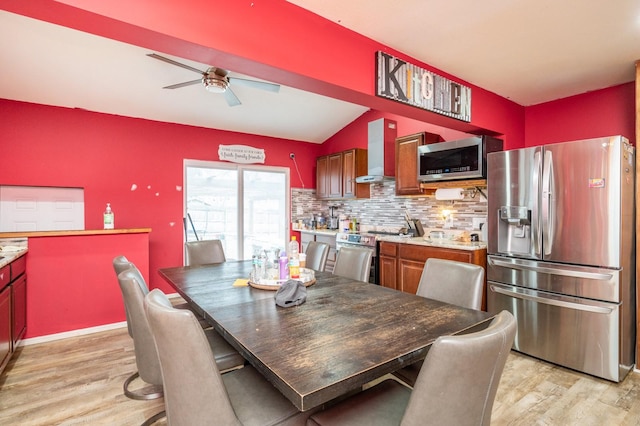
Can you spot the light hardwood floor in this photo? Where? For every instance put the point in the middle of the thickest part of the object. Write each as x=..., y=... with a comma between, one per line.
x=79, y=381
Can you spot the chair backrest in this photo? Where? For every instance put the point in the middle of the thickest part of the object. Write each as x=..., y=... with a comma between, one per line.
x=317, y=254
x=204, y=252
x=452, y=282
x=459, y=378
x=353, y=262
x=144, y=346
x=194, y=392
x=121, y=264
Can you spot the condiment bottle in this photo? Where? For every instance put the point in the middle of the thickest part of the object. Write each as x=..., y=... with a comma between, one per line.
x=284, y=265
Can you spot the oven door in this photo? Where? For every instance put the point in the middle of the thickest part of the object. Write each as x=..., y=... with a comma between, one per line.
x=373, y=272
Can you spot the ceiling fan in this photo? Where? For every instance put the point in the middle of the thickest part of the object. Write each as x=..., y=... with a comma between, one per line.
x=215, y=80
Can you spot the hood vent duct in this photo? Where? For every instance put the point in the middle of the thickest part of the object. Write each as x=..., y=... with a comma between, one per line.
x=381, y=152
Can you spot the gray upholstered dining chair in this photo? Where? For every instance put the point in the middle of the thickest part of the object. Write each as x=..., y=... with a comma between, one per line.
x=204, y=252
x=317, y=254
x=457, y=385
x=354, y=263
x=121, y=263
x=195, y=391
x=146, y=355
x=448, y=281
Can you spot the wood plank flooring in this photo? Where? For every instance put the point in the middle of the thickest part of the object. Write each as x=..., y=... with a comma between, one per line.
x=79, y=381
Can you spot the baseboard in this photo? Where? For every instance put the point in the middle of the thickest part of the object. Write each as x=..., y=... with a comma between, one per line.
x=72, y=333
x=79, y=332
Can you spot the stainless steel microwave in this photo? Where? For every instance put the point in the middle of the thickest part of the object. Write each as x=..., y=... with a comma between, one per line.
x=459, y=159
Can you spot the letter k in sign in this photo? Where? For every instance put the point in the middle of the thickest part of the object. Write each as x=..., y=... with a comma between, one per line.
x=389, y=76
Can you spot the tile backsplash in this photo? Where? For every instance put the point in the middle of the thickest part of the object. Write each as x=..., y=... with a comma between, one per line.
x=384, y=210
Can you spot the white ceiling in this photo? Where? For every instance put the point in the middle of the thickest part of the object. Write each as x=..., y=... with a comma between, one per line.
x=530, y=51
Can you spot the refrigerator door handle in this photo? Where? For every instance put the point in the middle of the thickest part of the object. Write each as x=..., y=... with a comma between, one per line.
x=536, y=229
x=560, y=303
x=547, y=195
x=553, y=271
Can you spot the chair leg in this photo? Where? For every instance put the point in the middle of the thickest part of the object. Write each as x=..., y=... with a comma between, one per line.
x=146, y=393
x=151, y=420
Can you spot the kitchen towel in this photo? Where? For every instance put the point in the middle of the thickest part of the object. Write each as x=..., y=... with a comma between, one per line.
x=450, y=194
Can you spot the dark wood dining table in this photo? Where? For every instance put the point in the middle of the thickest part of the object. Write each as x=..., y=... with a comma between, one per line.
x=346, y=334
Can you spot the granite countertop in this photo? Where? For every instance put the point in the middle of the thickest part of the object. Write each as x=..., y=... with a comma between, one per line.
x=426, y=241
x=11, y=249
x=318, y=231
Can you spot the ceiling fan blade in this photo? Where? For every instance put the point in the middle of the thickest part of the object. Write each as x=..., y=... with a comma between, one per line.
x=172, y=62
x=186, y=83
x=231, y=97
x=271, y=87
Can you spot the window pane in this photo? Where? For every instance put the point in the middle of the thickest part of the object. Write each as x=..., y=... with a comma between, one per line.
x=212, y=203
x=246, y=207
x=265, y=211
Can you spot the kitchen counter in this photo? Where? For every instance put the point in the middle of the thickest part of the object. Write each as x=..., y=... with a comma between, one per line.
x=13, y=249
x=444, y=243
x=318, y=231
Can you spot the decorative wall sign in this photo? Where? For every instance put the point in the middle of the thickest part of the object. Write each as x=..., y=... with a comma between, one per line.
x=407, y=83
x=241, y=154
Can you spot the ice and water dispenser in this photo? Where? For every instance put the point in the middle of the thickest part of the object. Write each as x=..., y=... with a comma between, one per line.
x=514, y=229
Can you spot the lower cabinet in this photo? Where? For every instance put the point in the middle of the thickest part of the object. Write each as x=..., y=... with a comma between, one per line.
x=13, y=308
x=401, y=264
x=6, y=346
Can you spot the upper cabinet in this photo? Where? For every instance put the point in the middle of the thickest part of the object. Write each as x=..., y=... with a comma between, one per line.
x=407, y=162
x=336, y=175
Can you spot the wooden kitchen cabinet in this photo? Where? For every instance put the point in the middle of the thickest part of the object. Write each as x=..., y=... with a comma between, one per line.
x=13, y=308
x=322, y=177
x=410, y=260
x=387, y=259
x=407, y=182
x=336, y=174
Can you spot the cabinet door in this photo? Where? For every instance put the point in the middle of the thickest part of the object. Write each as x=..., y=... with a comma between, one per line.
x=407, y=164
x=5, y=326
x=409, y=273
x=335, y=176
x=19, y=305
x=388, y=271
x=322, y=177
x=349, y=174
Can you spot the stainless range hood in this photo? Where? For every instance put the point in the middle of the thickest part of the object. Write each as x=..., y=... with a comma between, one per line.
x=380, y=151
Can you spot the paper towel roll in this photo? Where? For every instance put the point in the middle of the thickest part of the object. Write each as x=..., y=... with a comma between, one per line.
x=450, y=194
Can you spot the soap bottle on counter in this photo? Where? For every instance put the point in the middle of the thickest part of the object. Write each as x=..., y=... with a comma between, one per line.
x=108, y=217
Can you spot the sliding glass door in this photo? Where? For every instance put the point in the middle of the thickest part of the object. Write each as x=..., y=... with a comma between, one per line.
x=245, y=206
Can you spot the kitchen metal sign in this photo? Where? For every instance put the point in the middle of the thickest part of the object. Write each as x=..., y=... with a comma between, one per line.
x=401, y=81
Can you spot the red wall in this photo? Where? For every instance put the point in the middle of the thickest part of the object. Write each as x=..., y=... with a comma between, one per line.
x=108, y=154
x=605, y=112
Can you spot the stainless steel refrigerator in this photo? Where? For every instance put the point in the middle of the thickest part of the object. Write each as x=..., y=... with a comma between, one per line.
x=561, y=251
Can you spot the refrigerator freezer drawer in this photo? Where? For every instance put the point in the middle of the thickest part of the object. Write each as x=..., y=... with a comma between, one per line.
x=579, y=281
x=572, y=332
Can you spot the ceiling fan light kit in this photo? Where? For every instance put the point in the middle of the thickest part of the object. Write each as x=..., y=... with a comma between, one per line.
x=215, y=84
x=215, y=80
